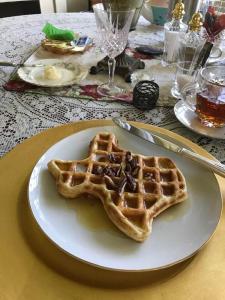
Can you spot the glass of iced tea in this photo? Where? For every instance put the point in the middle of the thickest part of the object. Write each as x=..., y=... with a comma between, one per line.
x=206, y=97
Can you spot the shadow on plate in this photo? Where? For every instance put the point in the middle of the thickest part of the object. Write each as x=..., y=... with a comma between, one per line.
x=76, y=270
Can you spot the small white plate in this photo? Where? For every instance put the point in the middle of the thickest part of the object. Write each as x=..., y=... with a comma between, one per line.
x=70, y=73
x=81, y=228
x=189, y=119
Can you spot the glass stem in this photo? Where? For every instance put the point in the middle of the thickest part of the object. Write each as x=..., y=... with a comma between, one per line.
x=112, y=66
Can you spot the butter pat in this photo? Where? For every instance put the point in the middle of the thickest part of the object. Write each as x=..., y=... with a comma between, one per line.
x=51, y=73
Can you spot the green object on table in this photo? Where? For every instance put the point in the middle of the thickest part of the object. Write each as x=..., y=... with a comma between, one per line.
x=54, y=33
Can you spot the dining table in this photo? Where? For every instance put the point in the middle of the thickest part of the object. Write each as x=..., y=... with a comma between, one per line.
x=32, y=267
x=24, y=114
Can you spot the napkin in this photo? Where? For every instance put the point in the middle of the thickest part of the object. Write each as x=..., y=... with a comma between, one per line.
x=54, y=33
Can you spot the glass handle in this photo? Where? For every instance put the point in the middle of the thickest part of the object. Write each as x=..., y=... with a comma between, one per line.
x=112, y=66
x=189, y=94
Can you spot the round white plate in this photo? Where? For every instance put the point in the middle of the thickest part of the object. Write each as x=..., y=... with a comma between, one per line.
x=80, y=227
x=70, y=73
x=189, y=119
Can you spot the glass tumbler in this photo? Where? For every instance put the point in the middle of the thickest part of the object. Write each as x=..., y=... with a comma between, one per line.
x=184, y=75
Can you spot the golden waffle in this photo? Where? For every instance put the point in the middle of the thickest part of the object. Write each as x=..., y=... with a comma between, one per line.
x=133, y=188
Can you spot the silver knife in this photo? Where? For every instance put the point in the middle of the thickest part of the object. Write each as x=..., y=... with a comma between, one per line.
x=215, y=166
x=11, y=64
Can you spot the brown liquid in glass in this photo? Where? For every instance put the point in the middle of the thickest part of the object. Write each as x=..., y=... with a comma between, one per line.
x=210, y=111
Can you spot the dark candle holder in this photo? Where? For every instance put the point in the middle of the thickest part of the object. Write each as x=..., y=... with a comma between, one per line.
x=145, y=94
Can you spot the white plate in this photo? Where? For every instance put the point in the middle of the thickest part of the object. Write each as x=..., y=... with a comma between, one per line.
x=70, y=73
x=189, y=119
x=81, y=228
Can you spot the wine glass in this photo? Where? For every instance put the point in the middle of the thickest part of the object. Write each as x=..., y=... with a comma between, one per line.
x=113, y=28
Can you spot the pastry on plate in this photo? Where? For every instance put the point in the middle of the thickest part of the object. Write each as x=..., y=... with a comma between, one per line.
x=133, y=188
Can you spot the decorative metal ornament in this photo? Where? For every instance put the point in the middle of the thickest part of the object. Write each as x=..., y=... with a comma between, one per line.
x=196, y=22
x=145, y=94
x=178, y=11
x=191, y=6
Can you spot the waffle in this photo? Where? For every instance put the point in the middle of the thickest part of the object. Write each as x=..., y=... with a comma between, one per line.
x=133, y=188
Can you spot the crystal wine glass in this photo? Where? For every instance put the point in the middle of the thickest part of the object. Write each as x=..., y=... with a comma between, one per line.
x=113, y=28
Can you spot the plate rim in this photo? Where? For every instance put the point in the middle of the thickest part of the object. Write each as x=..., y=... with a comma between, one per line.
x=181, y=102
x=154, y=128
x=74, y=81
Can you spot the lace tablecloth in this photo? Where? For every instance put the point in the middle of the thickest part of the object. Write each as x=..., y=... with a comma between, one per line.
x=23, y=115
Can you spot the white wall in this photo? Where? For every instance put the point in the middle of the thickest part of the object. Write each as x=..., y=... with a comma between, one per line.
x=63, y=5
x=46, y=6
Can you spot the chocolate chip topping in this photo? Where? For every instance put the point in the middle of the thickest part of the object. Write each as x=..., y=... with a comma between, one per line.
x=108, y=171
x=119, y=172
x=110, y=182
x=134, y=163
x=128, y=169
x=114, y=158
x=98, y=170
x=121, y=185
x=128, y=156
x=135, y=171
x=131, y=182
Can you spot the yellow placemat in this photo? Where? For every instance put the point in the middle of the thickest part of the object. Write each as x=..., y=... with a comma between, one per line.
x=32, y=267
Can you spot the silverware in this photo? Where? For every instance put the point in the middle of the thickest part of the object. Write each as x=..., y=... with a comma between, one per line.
x=215, y=166
x=11, y=64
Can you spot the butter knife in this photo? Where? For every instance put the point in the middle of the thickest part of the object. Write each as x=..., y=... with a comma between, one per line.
x=215, y=166
x=11, y=64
